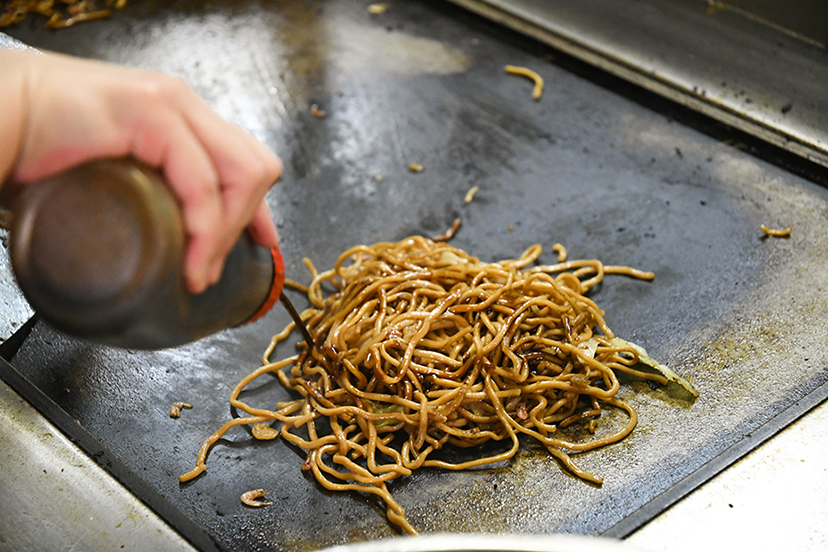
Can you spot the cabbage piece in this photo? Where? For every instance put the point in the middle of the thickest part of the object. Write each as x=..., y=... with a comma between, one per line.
x=644, y=359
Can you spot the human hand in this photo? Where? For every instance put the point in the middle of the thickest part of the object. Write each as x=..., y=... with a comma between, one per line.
x=61, y=111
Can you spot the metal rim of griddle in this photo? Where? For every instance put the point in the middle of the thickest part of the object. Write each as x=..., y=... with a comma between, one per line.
x=100, y=453
x=450, y=542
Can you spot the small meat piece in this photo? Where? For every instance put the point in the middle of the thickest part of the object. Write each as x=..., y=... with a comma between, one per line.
x=175, y=409
x=263, y=432
x=251, y=498
x=307, y=464
x=521, y=411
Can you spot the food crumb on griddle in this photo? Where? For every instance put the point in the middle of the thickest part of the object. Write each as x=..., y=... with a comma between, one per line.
x=775, y=232
x=529, y=74
x=175, y=409
x=251, y=498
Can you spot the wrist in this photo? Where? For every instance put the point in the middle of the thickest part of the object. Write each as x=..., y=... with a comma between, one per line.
x=14, y=97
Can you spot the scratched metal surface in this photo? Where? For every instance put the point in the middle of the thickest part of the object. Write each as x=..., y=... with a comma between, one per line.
x=740, y=316
x=753, y=65
x=14, y=309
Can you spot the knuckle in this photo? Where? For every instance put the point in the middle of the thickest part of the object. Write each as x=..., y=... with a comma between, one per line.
x=267, y=171
x=263, y=175
x=275, y=168
x=192, y=193
x=201, y=207
x=174, y=86
x=163, y=88
x=205, y=231
x=256, y=176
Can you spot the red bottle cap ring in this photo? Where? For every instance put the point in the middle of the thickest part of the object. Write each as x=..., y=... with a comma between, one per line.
x=276, y=288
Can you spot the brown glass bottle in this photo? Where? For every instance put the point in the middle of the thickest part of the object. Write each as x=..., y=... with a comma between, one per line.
x=98, y=252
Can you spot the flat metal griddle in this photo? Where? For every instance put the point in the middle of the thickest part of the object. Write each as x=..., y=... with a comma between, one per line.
x=739, y=315
x=755, y=65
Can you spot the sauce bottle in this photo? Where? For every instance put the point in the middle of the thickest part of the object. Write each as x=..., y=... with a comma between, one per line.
x=98, y=252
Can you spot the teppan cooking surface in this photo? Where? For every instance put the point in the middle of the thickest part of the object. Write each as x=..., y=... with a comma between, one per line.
x=739, y=315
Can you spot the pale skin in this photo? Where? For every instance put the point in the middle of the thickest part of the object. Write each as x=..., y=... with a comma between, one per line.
x=58, y=111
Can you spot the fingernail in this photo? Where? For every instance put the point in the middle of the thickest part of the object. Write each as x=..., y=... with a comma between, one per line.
x=195, y=285
x=194, y=288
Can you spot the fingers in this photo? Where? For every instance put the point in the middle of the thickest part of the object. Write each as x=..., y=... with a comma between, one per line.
x=246, y=170
x=83, y=110
x=262, y=229
x=164, y=139
x=194, y=180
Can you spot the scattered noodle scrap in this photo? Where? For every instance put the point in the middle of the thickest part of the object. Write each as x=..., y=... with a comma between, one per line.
x=448, y=234
x=776, y=233
x=251, y=498
x=175, y=409
x=528, y=73
x=470, y=194
x=422, y=346
x=561, y=251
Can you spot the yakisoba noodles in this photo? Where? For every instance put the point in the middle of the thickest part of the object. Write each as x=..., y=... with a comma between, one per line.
x=60, y=13
x=423, y=346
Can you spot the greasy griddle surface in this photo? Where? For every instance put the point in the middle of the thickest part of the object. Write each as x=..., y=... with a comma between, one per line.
x=740, y=316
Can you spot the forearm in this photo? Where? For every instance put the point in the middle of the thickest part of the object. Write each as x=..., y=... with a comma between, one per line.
x=14, y=107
